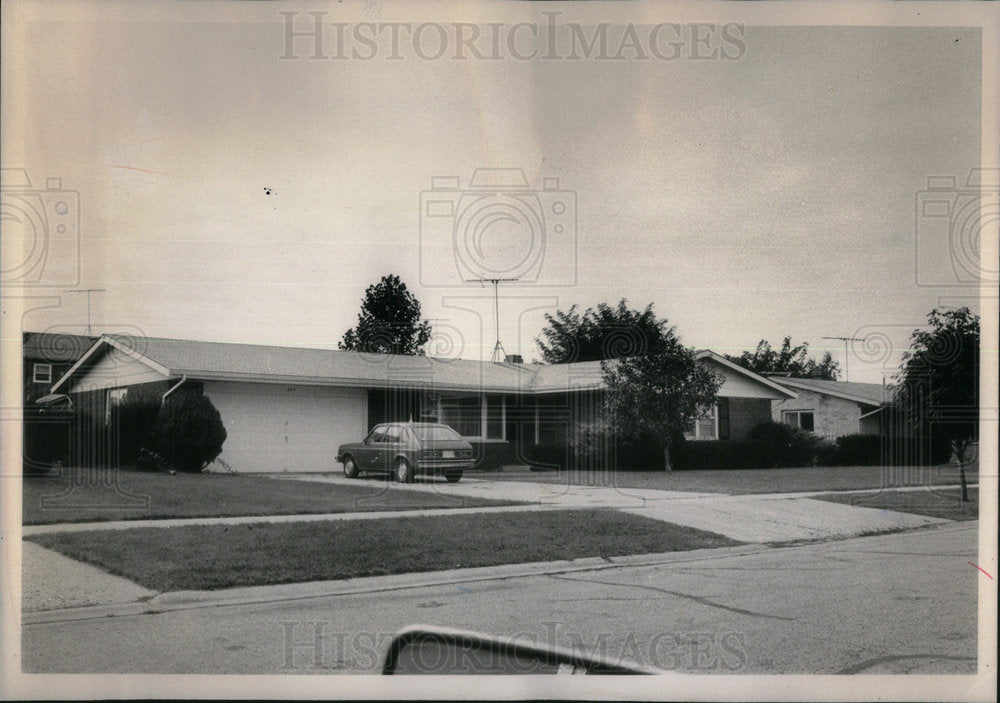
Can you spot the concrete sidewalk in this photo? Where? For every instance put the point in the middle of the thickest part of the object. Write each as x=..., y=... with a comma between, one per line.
x=29, y=530
x=761, y=518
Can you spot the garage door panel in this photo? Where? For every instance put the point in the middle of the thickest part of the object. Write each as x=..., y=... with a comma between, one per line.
x=286, y=428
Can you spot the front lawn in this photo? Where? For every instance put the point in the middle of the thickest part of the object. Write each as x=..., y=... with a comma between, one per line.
x=942, y=503
x=748, y=481
x=97, y=495
x=217, y=556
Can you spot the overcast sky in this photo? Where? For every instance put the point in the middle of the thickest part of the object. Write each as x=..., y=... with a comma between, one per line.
x=229, y=194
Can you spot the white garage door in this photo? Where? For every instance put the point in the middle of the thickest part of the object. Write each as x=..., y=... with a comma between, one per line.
x=286, y=428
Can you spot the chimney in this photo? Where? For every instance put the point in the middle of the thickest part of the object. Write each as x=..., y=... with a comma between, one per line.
x=514, y=359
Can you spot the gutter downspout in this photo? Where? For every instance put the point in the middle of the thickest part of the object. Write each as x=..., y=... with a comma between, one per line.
x=180, y=383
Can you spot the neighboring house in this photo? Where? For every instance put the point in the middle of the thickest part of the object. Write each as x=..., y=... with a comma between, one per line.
x=833, y=408
x=45, y=357
x=288, y=409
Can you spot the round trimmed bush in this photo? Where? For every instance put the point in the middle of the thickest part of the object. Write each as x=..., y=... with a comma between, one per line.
x=189, y=431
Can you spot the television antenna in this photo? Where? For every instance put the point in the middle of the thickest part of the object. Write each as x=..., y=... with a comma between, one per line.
x=88, y=291
x=499, y=353
x=846, y=340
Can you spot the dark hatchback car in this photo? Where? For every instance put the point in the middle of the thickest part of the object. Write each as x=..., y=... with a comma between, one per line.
x=406, y=449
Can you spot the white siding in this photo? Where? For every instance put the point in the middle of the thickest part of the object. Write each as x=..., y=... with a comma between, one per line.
x=114, y=370
x=277, y=427
x=736, y=385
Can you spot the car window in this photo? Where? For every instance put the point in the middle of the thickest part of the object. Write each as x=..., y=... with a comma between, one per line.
x=378, y=434
x=432, y=433
x=394, y=433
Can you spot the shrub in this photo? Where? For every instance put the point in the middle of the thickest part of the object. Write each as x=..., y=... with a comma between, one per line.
x=786, y=446
x=891, y=450
x=189, y=432
x=624, y=456
x=46, y=438
x=132, y=423
x=701, y=455
x=857, y=450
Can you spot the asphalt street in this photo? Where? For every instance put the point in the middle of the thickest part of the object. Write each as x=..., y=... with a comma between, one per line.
x=896, y=603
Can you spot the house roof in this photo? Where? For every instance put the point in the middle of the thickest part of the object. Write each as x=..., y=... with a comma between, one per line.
x=865, y=393
x=54, y=348
x=257, y=362
x=175, y=358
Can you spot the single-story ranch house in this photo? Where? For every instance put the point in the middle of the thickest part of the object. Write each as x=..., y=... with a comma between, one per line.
x=833, y=408
x=288, y=409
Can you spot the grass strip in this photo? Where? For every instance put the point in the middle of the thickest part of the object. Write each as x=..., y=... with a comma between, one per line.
x=92, y=495
x=750, y=481
x=933, y=502
x=216, y=556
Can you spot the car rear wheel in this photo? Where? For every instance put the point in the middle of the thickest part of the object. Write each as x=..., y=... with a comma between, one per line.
x=404, y=472
x=350, y=468
x=453, y=476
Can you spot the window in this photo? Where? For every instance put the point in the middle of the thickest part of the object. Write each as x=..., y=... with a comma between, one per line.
x=463, y=414
x=803, y=419
x=474, y=416
x=705, y=427
x=114, y=397
x=393, y=434
x=42, y=373
x=495, y=415
x=377, y=435
x=434, y=434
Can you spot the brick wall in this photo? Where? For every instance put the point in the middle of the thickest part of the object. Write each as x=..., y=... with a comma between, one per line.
x=832, y=417
x=745, y=414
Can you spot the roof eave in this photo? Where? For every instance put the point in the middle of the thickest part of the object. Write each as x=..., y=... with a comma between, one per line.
x=836, y=394
x=718, y=358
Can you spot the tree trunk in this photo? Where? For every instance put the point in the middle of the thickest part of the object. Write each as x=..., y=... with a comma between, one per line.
x=965, y=486
x=666, y=457
x=961, y=472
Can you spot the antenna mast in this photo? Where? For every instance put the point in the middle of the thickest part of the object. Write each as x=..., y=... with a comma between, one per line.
x=88, y=291
x=845, y=340
x=499, y=353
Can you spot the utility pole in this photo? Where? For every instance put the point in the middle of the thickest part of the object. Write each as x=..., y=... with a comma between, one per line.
x=499, y=354
x=88, y=291
x=845, y=340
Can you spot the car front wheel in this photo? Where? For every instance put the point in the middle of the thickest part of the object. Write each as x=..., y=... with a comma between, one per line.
x=404, y=472
x=350, y=468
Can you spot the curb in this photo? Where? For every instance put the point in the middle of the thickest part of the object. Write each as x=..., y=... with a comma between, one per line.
x=250, y=595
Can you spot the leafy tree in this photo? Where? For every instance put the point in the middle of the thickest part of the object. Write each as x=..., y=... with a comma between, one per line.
x=389, y=321
x=789, y=360
x=189, y=431
x=938, y=381
x=605, y=333
x=655, y=394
